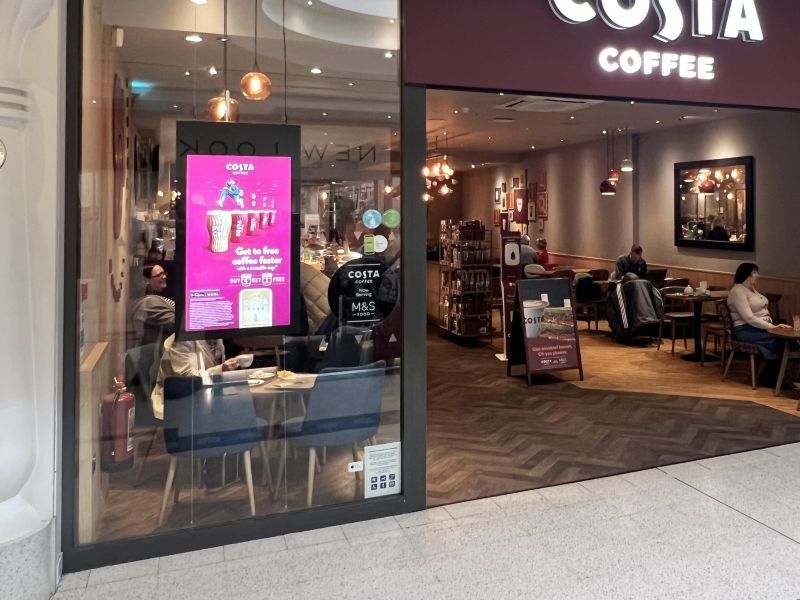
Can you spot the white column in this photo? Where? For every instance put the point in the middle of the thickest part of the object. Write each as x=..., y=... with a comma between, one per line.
x=30, y=38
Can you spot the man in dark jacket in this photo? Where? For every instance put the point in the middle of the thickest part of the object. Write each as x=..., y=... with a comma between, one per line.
x=632, y=263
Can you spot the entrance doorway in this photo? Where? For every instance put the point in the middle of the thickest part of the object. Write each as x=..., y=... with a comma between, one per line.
x=640, y=404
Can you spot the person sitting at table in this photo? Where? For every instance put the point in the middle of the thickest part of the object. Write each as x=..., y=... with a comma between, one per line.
x=542, y=257
x=752, y=321
x=151, y=318
x=189, y=359
x=527, y=255
x=632, y=263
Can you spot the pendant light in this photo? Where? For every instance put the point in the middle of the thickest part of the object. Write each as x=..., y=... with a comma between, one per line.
x=627, y=163
x=256, y=85
x=613, y=174
x=608, y=187
x=223, y=108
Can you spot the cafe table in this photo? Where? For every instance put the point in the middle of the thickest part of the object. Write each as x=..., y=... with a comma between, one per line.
x=788, y=335
x=697, y=299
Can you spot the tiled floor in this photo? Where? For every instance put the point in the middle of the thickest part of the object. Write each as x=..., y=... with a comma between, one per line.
x=721, y=528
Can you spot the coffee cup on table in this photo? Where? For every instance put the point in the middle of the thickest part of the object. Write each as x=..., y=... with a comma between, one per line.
x=703, y=287
x=796, y=322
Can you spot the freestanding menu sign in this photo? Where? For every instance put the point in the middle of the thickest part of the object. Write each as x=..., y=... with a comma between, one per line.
x=510, y=272
x=237, y=243
x=544, y=331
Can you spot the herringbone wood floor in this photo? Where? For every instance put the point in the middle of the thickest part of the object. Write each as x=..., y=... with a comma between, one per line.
x=490, y=434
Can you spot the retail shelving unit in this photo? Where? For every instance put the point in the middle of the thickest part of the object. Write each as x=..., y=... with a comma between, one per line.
x=465, y=289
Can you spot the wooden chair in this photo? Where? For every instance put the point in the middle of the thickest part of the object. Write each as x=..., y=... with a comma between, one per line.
x=588, y=299
x=720, y=333
x=656, y=275
x=736, y=346
x=713, y=315
x=674, y=318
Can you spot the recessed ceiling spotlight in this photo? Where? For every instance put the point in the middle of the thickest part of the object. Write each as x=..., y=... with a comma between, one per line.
x=633, y=101
x=391, y=21
x=533, y=147
x=324, y=114
x=444, y=133
x=223, y=39
x=455, y=112
x=187, y=73
x=310, y=3
x=316, y=71
x=333, y=165
x=193, y=38
x=490, y=137
x=388, y=54
x=502, y=93
x=472, y=166
x=390, y=116
x=212, y=70
x=658, y=122
x=199, y=1
x=174, y=106
x=350, y=83
x=604, y=132
x=325, y=134
x=562, y=139
x=572, y=117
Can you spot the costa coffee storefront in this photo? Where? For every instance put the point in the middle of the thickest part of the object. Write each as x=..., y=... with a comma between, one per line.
x=350, y=213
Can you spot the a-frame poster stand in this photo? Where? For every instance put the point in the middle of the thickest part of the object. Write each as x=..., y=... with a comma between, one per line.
x=544, y=328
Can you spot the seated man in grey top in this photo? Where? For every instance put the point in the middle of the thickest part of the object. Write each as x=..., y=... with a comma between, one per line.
x=632, y=263
x=527, y=255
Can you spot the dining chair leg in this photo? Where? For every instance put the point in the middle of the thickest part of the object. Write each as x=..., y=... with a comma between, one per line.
x=728, y=365
x=673, y=336
x=703, y=350
x=248, y=476
x=685, y=343
x=140, y=468
x=173, y=465
x=317, y=465
x=660, y=332
x=324, y=455
x=281, y=467
x=266, y=472
x=177, y=485
x=753, y=370
x=312, y=462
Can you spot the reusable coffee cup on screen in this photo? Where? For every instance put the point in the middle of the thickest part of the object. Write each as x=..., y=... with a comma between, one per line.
x=219, y=230
x=263, y=219
x=252, y=222
x=238, y=225
x=271, y=214
x=533, y=315
x=255, y=308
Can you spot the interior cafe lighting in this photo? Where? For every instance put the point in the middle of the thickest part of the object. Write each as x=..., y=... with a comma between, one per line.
x=607, y=186
x=223, y=107
x=740, y=19
x=255, y=85
x=627, y=163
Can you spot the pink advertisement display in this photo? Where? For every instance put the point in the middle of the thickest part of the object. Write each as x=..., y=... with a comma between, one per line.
x=238, y=242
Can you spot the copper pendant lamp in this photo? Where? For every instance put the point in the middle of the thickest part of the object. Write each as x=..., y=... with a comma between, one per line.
x=255, y=85
x=608, y=187
x=224, y=108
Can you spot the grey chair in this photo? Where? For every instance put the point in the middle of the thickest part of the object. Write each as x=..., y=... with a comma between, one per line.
x=343, y=409
x=210, y=421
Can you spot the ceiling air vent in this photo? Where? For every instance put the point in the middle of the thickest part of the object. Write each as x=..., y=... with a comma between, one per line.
x=540, y=104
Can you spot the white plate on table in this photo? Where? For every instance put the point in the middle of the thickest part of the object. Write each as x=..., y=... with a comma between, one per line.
x=255, y=382
x=263, y=375
x=285, y=384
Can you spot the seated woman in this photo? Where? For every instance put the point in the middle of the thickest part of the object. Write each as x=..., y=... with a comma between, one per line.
x=542, y=256
x=189, y=359
x=752, y=321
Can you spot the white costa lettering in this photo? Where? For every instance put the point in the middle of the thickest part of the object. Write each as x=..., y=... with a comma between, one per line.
x=240, y=167
x=740, y=18
x=630, y=61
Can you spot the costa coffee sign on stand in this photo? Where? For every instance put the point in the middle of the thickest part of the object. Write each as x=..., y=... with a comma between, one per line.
x=731, y=52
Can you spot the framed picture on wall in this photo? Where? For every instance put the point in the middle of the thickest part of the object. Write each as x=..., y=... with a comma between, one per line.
x=503, y=186
x=541, y=225
x=498, y=199
x=496, y=217
x=515, y=182
x=541, y=184
x=715, y=204
x=541, y=205
x=531, y=211
x=520, y=207
x=509, y=203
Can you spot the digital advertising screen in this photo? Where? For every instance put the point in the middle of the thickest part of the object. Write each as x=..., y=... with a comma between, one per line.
x=237, y=243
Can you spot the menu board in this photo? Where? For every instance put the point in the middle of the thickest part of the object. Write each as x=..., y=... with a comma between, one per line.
x=238, y=242
x=545, y=328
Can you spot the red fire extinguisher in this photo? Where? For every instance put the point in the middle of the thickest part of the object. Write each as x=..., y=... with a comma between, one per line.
x=117, y=417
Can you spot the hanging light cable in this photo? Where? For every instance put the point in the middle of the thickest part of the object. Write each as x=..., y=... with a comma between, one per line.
x=608, y=187
x=223, y=108
x=627, y=163
x=613, y=174
x=256, y=85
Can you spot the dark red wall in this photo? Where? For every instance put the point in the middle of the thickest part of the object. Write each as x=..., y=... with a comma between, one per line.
x=521, y=45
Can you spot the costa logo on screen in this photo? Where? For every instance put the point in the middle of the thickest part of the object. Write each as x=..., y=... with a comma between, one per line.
x=739, y=19
x=240, y=167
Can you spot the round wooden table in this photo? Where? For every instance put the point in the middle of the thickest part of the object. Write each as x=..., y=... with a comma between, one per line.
x=697, y=300
x=788, y=335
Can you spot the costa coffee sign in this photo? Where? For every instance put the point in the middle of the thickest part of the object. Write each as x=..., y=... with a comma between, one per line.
x=727, y=52
x=739, y=19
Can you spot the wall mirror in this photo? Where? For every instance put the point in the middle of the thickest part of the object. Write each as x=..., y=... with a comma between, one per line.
x=715, y=204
